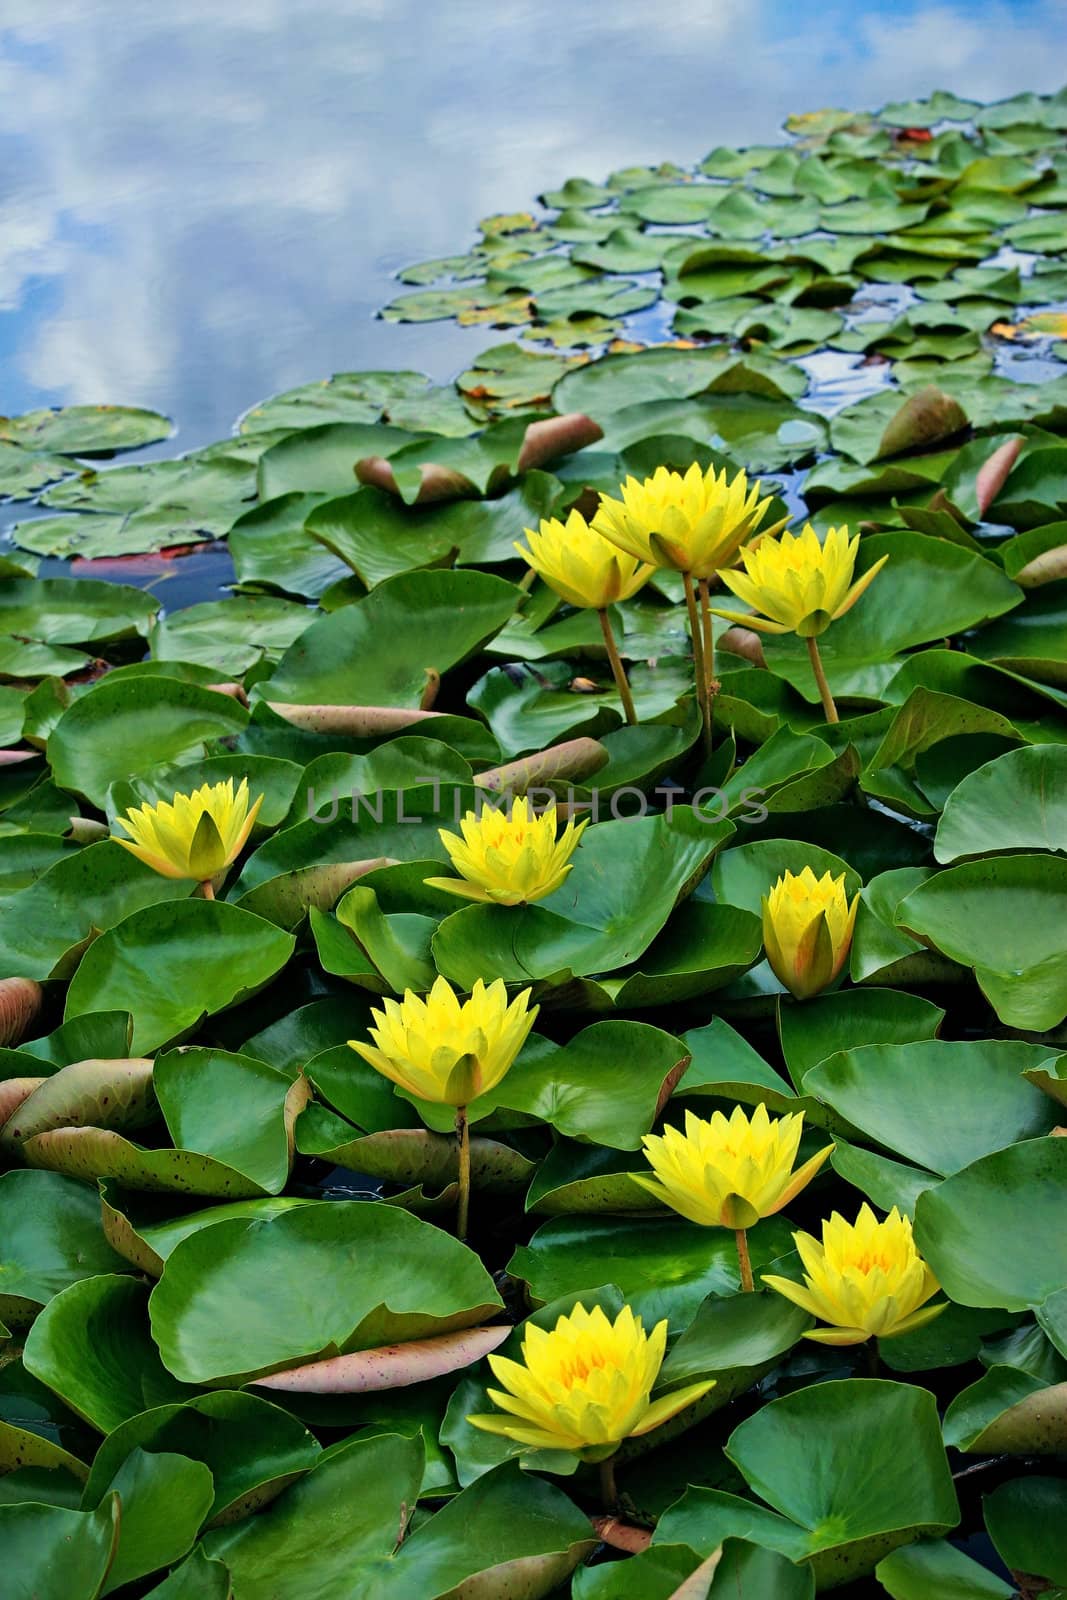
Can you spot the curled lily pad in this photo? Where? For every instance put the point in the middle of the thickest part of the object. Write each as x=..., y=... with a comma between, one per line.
x=231, y=1119
x=1008, y=1412
x=165, y=1498
x=409, y=1155
x=98, y=1093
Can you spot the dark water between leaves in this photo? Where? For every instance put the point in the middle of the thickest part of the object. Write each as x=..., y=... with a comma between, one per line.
x=201, y=205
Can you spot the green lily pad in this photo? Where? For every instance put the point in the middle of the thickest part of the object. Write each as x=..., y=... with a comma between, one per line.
x=665, y=1267
x=726, y=1067
x=577, y=1177
x=154, y=962
x=826, y=1516
x=52, y=1239
x=938, y=1103
x=1025, y=1522
x=86, y=430
x=322, y=459
x=197, y=1578
x=124, y=726
x=1008, y=1412
x=936, y=1570
x=1001, y=916
x=230, y=635
x=1012, y=803
x=245, y=1150
x=272, y=551
x=33, y=1533
x=582, y=1092
x=989, y=1232
x=109, y=1094
x=367, y=1275
x=49, y=924
x=626, y=878
x=74, y=610
x=91, y=1346
x=164, y=1498
x=413, y=626
x=510, y=1521
x=849, y=1019
x=252, y=1448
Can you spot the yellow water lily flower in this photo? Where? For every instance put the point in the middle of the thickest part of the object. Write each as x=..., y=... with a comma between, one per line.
x=195, y=835
x=447, y=1050
x=510, y=856
x=583, y=567
x=797, y=584
x=695, y=522
x=866, y=1279
x=728, y=1172
x=807, y=930
x=585, y=1385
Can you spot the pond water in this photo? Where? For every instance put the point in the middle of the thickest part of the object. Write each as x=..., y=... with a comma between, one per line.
x=202, y=204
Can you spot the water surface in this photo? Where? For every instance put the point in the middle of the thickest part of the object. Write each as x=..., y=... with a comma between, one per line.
x=203, y=203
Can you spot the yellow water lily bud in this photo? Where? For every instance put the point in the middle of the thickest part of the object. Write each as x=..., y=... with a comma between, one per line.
x=728, y=1172
x=585, y=1385
x=694, y=522
x=510, y=856
x=799, y=585
x=807, y=930
x=447, y=1050
x=195, y=835
x=583, y=567
x=866, y=1279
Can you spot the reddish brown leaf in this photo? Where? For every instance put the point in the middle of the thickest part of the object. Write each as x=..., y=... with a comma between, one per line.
x=992, y=473
x=391, y=1366
x=20, y=1001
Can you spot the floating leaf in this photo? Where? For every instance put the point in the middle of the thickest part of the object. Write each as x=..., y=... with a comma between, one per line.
x=221, y=1308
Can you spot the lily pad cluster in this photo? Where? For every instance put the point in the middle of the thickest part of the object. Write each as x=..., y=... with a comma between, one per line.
x=241, y=1343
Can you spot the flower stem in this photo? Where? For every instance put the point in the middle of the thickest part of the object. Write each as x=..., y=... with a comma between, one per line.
x=621, y=681
x=745, y=1261
x=698, y=658
x=707, y=640
x=874, y=1366
x=609, y=1492
x=463, y=1140
x=820, y=678
x=206, y=889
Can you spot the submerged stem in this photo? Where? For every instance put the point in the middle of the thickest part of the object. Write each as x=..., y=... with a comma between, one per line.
x=621, y=680
x=747, y=1282
x=698, y=658
x=463, y=1141
x=609, y=1492
x=820, y=678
